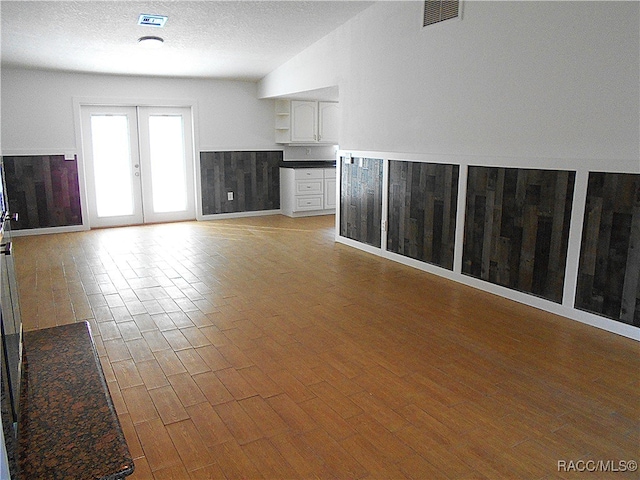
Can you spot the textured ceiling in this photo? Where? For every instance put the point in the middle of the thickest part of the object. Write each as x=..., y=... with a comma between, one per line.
x=237, y=39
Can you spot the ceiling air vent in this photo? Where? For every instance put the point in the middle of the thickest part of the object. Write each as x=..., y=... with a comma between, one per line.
x=152, y=20
x=436, y=11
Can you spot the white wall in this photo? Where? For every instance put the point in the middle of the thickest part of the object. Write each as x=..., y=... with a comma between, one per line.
x=512, y=80
x=38, y=114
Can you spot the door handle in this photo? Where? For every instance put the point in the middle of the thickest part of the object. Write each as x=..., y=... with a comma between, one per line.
x=6, y=248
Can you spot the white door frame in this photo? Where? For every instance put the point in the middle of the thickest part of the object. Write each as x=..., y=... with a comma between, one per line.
x=79, y=101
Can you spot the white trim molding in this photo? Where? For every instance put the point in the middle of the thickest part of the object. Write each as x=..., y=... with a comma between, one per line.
x=566, y=308
x=251, y=213
x=48, y=230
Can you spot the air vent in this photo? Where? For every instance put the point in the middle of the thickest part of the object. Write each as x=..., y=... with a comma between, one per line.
x=436, y=11
x=152, y=20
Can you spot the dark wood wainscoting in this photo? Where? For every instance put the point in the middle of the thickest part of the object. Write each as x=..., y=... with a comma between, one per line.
x=252, y=176
x=422, y=211
x=517, y=228
x=609, y=271
x=361, y=200
x=43, y=190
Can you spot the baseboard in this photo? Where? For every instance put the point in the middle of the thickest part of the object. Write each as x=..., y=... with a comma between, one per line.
x=48, y=230
x=311, y=213
x=256, y=213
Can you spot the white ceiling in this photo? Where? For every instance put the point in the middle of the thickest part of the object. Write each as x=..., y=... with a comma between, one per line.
x=233, y=40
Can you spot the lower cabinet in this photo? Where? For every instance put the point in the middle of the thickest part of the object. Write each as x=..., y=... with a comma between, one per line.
x=330, y=189
x=307, y=191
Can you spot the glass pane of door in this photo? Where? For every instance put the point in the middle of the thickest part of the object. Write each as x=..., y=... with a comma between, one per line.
x=167, y=160
x=167, y=163
x=112, y=165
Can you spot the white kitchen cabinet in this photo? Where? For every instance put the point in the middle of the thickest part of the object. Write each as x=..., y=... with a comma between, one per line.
x=329, y=189
x=307, y=191
x=307, y=122
x=328, y=122
x=304, y=121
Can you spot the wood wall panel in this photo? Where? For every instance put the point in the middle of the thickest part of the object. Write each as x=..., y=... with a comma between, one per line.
x=361, y=200
x=44, y=190
x=517, y=228
x=609, y=268
x=252, y=176
x=422, y=211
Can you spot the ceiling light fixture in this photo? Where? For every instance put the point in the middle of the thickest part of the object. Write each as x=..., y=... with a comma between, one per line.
x=150, y=42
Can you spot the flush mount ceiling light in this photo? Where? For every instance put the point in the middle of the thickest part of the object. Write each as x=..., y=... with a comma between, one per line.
x=150, y=42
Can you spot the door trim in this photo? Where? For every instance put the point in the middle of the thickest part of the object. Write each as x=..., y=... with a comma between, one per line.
x=80, y=101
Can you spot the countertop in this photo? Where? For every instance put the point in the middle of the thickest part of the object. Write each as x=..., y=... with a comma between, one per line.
x=308, y=164
x=68, y=426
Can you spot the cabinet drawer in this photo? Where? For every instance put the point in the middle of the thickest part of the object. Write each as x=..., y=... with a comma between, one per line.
x=309, y=203
x=309, y=173
x=304, y=187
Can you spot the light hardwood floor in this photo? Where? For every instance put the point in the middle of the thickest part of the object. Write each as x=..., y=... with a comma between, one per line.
x=259, y=348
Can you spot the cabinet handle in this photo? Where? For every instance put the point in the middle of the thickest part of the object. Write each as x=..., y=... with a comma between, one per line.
x=6, y=248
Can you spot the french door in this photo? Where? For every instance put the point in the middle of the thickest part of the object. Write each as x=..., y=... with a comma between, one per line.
x=138, y=164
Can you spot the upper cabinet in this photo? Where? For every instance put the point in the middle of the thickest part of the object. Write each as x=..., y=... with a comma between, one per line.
x=328, y=122
x=304, y=121
x=307, y=122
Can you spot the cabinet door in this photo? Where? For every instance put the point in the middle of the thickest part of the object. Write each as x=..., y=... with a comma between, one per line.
x=329, y=188
x=328, y=122
x=303, y=121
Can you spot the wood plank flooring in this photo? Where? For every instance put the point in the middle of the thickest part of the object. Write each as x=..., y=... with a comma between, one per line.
x=259, y=348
